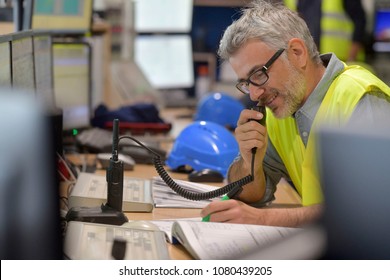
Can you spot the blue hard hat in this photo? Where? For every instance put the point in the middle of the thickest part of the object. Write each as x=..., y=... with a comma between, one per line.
x=204, y=145
x=220, y=108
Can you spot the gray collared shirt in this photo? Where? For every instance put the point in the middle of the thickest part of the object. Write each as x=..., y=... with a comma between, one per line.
x=373, y=106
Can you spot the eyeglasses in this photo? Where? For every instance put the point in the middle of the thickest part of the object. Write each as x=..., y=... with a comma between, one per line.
x=259, y=77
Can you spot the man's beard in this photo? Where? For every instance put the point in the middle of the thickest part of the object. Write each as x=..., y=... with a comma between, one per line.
x=293, y=94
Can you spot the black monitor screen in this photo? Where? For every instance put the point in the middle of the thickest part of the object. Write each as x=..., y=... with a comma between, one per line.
x=72, y=83
x=23, y=76
x=62, y=16
x=29, y=198
x=5, y=62
x=346, y=158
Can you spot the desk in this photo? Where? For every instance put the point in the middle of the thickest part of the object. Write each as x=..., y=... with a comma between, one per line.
x=285, y=197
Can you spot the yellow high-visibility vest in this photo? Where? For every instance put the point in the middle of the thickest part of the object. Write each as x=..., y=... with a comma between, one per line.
x=336, y=28
x=336, y=108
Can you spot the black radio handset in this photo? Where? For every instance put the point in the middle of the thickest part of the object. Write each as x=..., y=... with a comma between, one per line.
x=259, y=108
x=111, y=212
x=114, y=175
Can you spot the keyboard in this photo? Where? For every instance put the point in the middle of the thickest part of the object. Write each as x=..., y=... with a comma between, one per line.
x=95, y=140
x=89, y=241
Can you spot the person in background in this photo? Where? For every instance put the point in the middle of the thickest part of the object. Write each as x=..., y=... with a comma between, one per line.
x=278, y=64
x=337, y=26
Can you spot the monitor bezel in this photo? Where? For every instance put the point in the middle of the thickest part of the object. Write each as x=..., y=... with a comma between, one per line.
x=7, y=38
x=48, y=34
x=65, y=31
x=20, y=35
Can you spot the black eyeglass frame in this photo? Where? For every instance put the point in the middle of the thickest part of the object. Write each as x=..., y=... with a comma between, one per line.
x=263, y=69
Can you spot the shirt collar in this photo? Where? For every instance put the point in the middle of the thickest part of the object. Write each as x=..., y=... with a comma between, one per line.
x=334, y=67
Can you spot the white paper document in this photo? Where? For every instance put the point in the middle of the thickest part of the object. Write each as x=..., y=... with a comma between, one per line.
x=164, y=196
x=211, y=241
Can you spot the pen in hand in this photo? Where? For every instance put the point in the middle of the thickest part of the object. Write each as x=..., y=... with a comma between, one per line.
x=231, y=194
x=207, y=218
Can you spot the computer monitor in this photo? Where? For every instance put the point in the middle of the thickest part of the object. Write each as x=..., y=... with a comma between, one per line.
x=354, y=169
x=208, y=26
x=29, y=191
x=166, y=60
x=72, y=83
x=167, y=16
x=381, y=30
x=43, y=58
x=5, y=61
x=23, y=69
x=62, y=16
x=43, y=61
x=382, y=25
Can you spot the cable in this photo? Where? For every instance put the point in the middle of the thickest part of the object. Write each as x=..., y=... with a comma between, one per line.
x=233, y=188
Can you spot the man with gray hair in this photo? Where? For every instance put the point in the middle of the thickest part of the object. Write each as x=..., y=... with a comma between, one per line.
x=277, y=62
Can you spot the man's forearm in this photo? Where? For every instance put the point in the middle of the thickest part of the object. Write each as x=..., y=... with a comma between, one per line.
x=253, y=191
x=237, y=170
x=290, y=217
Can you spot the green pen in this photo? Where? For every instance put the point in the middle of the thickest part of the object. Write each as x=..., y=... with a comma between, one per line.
x=207, y=218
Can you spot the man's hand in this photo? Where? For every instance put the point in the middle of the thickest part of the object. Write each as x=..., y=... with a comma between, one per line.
x=234, y=211
x=251, y=134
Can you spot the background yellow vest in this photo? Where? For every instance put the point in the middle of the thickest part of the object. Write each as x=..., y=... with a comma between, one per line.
x=336, y=28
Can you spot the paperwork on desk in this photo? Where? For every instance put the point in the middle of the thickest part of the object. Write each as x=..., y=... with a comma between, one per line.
x=212, y=241
x=164, y=196
x=167, y=225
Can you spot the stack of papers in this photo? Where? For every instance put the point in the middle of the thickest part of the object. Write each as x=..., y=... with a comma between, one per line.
x=207, y=240
x=164, y=196
x=214, y=241
x=166, y=227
